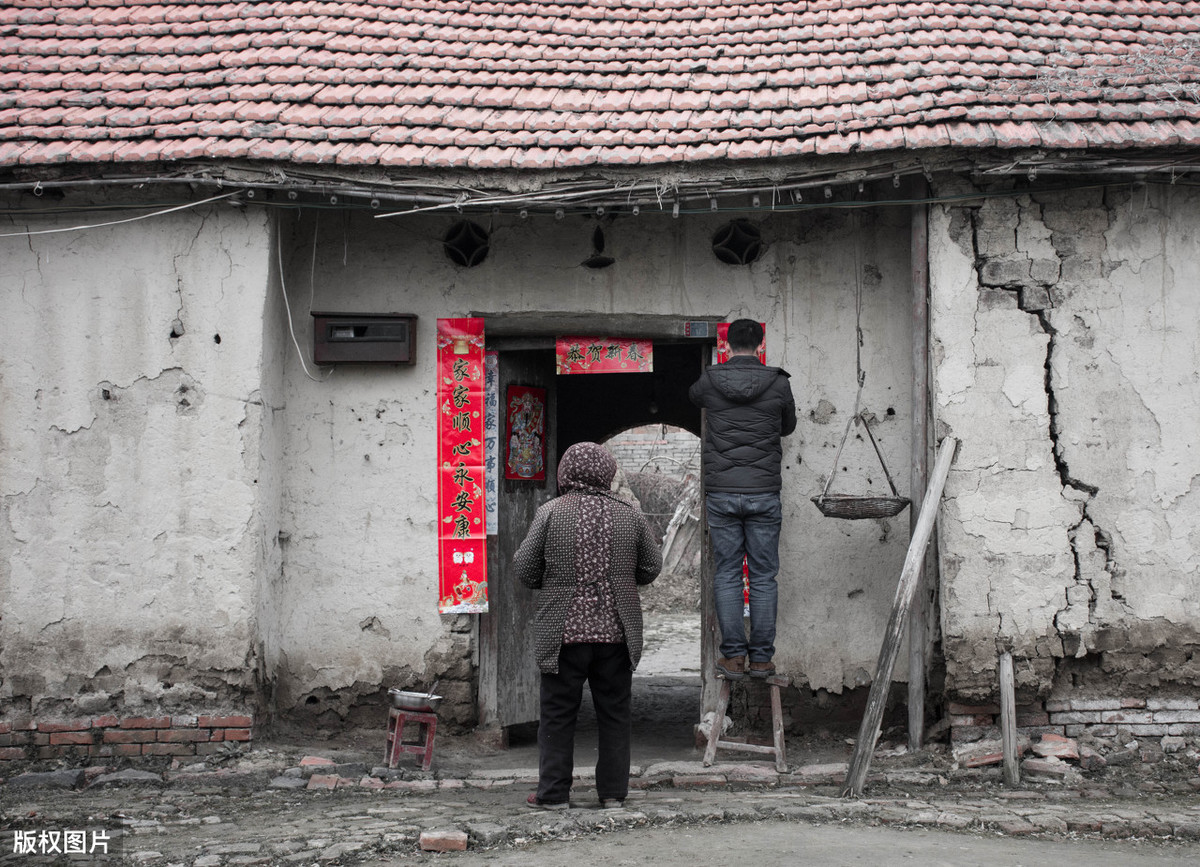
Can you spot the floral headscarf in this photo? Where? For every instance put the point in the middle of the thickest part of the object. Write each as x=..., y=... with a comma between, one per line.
x=586, y=467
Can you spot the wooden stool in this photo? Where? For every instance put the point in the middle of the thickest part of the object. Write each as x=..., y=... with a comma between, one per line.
x=427, y=728
x=714, y=736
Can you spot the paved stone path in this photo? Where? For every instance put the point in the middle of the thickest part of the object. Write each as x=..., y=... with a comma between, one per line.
x=269, y=806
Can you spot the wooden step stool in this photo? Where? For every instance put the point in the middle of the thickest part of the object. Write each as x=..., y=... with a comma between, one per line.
x=714, y=736
x=426, y=729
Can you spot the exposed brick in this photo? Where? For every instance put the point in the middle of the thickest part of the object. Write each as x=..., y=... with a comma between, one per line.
x=135, y=736
x=323, y=781
x=126, y=749
x=60, y=738
x=5, y=728
x=8, y=754
x=443, y=841
x=101, y=750
x=1128, y=716
x=145, y=722
x=967, y=734
x=1177, y=716
x=1133, y=702
x=1183, y=729
x=1172, y=704
x=168, y=749
x=1033, y=718
x=184, y=721
x=77, y=725
x=182, y=736
x=971, y=709
x=106, y=721
x=981, y=719
x=1056, y=745
x=231, y=734
x=1137, y=729
x=234, y=721
x=41, y=739
x=1077, y=716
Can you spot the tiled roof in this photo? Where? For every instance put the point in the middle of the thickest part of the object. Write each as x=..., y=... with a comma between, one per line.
x=586, y=83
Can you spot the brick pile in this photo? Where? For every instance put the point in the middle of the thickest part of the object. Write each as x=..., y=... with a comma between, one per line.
x=113, y=736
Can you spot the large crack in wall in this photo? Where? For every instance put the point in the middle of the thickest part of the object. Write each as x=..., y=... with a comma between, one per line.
x=1091, y=269
x=1030, y=269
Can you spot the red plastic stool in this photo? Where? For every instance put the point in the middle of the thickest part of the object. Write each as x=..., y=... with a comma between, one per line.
x=427, y=728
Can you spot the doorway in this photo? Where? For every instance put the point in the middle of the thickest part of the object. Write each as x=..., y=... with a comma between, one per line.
x=590, y=407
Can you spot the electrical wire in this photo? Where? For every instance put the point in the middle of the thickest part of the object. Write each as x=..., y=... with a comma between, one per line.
x=119, y=222
x=288, y=306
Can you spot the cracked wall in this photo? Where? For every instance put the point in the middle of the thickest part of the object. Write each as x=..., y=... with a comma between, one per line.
x=128, y=463
x=1066, y=356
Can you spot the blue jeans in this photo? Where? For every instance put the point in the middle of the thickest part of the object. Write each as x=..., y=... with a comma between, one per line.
x=745, y=524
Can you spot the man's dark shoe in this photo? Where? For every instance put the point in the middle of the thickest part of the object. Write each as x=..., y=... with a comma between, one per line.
x=534, y=804
x=732, y=669
x=762, y=669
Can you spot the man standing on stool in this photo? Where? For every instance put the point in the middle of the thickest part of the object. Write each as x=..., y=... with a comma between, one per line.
x=749, y=408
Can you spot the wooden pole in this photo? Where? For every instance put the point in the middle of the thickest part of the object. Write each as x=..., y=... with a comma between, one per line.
x=918, y=623
x=1008, y=721
x=868, y=732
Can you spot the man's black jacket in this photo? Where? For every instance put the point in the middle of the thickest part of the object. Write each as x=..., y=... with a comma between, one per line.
x=750, y=406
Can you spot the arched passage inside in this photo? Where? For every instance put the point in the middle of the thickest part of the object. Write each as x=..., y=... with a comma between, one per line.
x=661, y=464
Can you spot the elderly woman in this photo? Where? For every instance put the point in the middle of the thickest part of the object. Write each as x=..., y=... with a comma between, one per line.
x=587, y=551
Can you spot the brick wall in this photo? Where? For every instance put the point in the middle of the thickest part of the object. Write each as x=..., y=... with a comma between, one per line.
x=113, y=736
x=1098, y=717
x=656, y=448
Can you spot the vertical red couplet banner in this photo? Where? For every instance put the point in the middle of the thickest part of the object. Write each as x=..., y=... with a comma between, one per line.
x=462, y=526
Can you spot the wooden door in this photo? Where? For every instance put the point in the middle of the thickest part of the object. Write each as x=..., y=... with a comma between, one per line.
x=509, y=680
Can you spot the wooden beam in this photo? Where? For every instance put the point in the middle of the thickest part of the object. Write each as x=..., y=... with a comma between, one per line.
x=868, y=732
x=1008, y=721
x=918, y=624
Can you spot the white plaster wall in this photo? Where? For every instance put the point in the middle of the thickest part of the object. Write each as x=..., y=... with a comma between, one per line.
x=1069, y=524
x=359, y=505
x=127, y=567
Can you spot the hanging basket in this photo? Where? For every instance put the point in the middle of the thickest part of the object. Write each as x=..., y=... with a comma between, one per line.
x=853, y=507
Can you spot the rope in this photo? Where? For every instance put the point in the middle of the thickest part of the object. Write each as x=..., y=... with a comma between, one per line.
x=858, y=416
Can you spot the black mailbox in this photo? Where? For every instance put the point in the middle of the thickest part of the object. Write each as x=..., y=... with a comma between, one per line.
x=389, y=338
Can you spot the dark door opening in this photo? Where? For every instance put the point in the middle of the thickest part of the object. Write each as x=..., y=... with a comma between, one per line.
x=581, y=407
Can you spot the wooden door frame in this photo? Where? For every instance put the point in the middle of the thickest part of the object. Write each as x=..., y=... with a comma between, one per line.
x=536, y=330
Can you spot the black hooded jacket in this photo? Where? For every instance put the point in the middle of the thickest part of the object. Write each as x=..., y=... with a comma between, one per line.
x=750, y=407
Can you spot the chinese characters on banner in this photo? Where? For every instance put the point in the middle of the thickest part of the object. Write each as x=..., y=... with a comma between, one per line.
x=603, y=355
x=722, y=357
x=491, y=437
x=525, y=455
x=462, y=531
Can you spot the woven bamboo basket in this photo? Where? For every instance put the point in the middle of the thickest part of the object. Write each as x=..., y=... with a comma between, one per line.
x=851, y=507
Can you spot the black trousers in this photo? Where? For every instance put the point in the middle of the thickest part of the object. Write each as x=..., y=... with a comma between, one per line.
x=607, y=670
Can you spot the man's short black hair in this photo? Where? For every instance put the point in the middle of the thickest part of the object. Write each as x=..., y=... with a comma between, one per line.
x=744, y=335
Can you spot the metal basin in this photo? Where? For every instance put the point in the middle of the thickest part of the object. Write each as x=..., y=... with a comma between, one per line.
x=419, y=702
